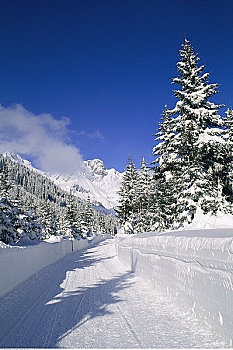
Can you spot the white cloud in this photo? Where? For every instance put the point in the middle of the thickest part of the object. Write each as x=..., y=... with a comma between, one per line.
x=93, y=135
x=41, y=137
x=96, y=135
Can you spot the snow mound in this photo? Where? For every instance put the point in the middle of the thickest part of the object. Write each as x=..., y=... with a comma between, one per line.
x=208, y=221
x=54, y=239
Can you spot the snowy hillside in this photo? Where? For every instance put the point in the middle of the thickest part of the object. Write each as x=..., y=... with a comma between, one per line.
x=94, y=180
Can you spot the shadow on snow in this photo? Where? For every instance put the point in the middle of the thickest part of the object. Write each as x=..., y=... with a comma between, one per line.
x=38, y=313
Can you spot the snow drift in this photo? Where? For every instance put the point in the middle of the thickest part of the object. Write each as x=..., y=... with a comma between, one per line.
x=193, y=267
x=18, y=263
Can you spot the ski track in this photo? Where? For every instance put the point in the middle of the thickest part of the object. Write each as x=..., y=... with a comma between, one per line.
x=88, y=299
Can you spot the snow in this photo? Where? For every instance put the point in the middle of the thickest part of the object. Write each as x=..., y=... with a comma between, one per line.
x=210, y=135
x=206, y=221
x=193, y=267
x=88, y=299
x=19, y=262
x=54, y=239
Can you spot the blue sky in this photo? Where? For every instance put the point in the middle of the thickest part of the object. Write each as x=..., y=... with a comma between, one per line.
x=107, y=66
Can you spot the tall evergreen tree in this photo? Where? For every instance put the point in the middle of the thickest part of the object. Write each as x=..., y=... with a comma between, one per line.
x=162, y=185
x=89, y=216
x=228, y=165
x=228, y=123
x=142, y=223
x=10, y=214
x=128, y=201
x=165, y=150
x=71, y=227
x=192, y=147
x=143, y=187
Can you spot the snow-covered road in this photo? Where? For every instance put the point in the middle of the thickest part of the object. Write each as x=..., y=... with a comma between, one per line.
x=88, y=299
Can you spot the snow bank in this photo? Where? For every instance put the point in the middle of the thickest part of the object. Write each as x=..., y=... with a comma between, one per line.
x=208, y=221
x=20, y=262
x=194, y=267
x=87, y=242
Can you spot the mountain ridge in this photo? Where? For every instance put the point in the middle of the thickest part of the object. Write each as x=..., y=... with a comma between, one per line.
x=93, y=180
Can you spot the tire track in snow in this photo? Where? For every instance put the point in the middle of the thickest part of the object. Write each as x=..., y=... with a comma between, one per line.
x=129, y=325
x=121, y=313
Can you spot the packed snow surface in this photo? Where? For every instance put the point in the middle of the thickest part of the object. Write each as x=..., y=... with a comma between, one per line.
x=88, y=299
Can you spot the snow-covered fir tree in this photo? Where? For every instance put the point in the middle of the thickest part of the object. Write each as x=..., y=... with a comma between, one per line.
x=14, y=223
x=143, y=187
x=128, y=196
x=6, y=207
x=142, y=221
x=162, y=184
x=89, y=216
x=228, y=123
x=228, y=165
x=71, y=223
x=192, y=152
x=165, y=150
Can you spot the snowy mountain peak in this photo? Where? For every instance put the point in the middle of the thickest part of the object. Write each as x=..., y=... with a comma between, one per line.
x=96, y=166
x=100, y=184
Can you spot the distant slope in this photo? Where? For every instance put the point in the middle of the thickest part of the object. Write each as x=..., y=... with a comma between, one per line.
x=94, y=180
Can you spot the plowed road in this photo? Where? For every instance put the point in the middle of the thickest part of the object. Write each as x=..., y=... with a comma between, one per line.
x=88, y=299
